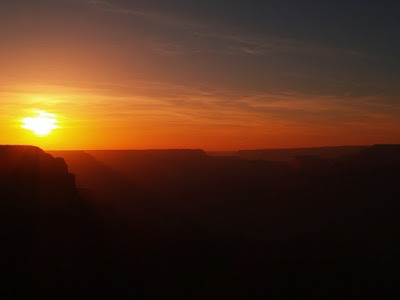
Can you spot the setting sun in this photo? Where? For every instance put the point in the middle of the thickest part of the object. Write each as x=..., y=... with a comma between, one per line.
x=42, y=124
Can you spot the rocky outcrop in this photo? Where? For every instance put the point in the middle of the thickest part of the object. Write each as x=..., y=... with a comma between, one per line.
x=46, y=229
x=31, y=167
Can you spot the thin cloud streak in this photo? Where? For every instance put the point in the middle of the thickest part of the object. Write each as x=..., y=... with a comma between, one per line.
x=158, y=103
x=152, y=16
x=206, y=38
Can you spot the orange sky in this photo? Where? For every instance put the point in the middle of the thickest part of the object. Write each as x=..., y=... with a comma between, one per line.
x=122, y=78
x=96, y=118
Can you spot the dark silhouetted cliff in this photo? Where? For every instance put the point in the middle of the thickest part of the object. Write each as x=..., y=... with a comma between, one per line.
x=184, y=225
x=47, y=231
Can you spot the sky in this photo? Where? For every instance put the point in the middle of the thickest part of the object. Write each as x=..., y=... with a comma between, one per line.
x=216, y=75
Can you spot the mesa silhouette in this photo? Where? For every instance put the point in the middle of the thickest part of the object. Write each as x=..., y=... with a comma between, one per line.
x=184, y=224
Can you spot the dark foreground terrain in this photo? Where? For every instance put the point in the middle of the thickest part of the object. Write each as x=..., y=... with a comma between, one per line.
x=181, y=224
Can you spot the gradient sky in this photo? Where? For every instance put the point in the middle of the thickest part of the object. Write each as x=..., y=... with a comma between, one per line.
x=217, y=75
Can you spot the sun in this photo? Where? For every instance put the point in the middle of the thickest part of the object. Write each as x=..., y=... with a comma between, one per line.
x=42, y=124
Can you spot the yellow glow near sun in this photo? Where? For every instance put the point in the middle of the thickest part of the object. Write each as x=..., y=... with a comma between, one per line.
x=42, y=124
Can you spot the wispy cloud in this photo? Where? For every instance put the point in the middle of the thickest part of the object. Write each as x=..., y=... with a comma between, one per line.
x=263, y=45
x=210, y=38
x=165, y=115
x=219, y=43
x=165, y=104
x=152, y=16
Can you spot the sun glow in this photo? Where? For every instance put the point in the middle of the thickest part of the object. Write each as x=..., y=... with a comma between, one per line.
x=42, y=124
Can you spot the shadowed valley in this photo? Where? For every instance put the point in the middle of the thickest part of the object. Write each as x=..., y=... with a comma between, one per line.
x=152, y=223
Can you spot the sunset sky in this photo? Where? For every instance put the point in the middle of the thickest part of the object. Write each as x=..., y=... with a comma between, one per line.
x=211, y=74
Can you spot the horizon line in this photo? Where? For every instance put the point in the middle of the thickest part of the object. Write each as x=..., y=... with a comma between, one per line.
x=228, y=150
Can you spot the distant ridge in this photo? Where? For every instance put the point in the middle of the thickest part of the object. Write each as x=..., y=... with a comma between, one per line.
x=156, y=153
x=287, y=154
